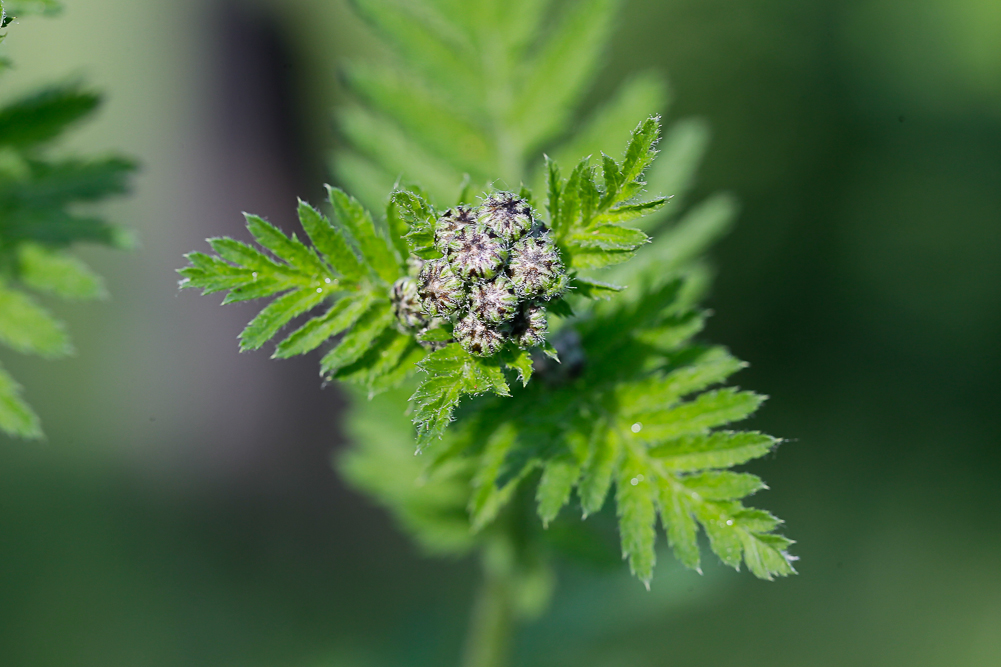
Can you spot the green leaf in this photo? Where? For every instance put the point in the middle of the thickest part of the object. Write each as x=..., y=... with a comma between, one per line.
x=641, y=150
x=329, y=241
x=42, y=116
x=382, y=358
x=711, y=409
x=16, y=417
x=597, y=476
x=682, y=531
x=559, y=476
x=417, y=110
x=629, y=212
x=723, y=485
x=557, y=74
x=449, y=374
x=58, y=273
x=421, y=219
x=637, y=515
x=554, y=190
x=520, y=361
x=289, y=249
x=19, y=8
x=358, y=340
x=28, y=328
x=608, y=128
x=608, y=237
x=350, y=214
x=318, y=330
x=721, y=449
x=594, y=289
x=277, y=314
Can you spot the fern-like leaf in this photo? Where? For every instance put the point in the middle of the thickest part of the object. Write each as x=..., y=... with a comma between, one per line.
x=653, y=434
x=39, y=196
x=348, y=264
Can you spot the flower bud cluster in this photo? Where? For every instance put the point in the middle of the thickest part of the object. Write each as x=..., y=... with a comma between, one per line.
x=498, y=267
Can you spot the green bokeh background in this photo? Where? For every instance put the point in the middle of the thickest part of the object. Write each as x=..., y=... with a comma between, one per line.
x=183, y=510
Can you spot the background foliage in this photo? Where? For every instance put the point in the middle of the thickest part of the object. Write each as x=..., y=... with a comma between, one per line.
x=860, y=281
x=40, y=219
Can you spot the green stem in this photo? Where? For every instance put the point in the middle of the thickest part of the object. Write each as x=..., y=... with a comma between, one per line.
x=489, y=637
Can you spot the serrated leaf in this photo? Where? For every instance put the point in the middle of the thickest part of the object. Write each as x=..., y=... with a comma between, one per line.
x=418, y=111
x=627, y=212
x=560, y=308
x=42, y=116
x=723, y=484
x=382, y=357
x=395, y=152
x=318, y=330
x=724, y=540
x=613, y=179
x=641, y=150
x=398, y=229
x=708, y=410
x=520, y=361
x=637, y=514
x=16, y=416
x=277, y=314
x=450, y=374
x=28, y=328
x=721, y=449
x=488, y=497
x=608, y=237
x=679, y=524
x=765, y=555
x=329, y=241
x=559, y=476
x=556, y=75
x=421, y=218
x=597, y=475
x=554, y=190
x=245, y=255
x=659, y=392
x=58, y=273
x=569, y=203
x=289, y=249
x=374, y=249
x=358, y=340
x=594, y=289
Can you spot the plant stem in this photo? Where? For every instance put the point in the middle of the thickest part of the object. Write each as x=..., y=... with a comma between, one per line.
x=489, y=638
x=492, y=623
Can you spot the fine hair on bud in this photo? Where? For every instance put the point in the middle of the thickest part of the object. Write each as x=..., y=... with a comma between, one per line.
x=536, y=269
x=507, y=215
x=530, y=326
x=441, y=292
x=407, y=304
x=494, y=301
x=477, y=254
x=478, y=338
x=450, y=223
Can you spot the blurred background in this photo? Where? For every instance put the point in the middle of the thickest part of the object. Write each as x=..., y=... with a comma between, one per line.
x=183, y=510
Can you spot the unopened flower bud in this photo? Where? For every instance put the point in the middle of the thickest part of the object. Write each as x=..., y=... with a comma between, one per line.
x=407, y=304
x=478, y=338
x=529, y=328
x=536, y=269
x=476, y=254
x=506, y=215
x=449, y=224
x=494, y=301
x=441, y=292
